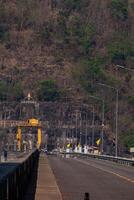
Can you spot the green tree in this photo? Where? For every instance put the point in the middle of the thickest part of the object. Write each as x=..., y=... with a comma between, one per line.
x=128, y=140
x=48, y=91
x=17, y=92
x=89, y=70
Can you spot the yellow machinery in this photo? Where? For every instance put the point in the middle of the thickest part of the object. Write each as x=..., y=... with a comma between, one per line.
x=19, y=138
x=30, y=123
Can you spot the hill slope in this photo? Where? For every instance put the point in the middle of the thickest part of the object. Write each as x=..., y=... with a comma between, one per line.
x=74, y=43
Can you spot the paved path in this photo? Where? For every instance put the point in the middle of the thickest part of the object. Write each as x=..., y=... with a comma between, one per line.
x=102, y=179
x=43, y=186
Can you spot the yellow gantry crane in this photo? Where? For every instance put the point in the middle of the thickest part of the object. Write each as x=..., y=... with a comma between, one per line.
x=29, y=123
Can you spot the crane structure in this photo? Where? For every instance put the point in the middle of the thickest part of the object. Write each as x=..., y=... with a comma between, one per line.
x=29, y=123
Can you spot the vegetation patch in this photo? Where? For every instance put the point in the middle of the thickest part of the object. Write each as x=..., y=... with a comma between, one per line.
x=128, y=140
x=89, y=70
x=119, y=9
x=9, y=91
x=120, y=49
x=17, y=92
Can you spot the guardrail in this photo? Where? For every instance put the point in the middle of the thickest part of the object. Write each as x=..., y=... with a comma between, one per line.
x=13, y=185
x=120, y=160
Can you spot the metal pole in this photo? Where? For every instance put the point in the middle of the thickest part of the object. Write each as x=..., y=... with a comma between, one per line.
x=116, y=116
x=102, y=131
x=76, y=126
x=86, y=131
x=116, y=136
x=80, y=128
x=93, y=127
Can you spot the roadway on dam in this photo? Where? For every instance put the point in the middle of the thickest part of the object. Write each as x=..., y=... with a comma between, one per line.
x=101, y=179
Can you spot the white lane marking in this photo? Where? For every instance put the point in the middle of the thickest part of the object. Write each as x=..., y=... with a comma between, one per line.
x=108, y=171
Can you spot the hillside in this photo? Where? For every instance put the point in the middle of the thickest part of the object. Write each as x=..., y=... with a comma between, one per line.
x=70, y=46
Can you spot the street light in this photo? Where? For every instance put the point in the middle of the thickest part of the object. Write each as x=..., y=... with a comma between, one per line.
x=117, y=108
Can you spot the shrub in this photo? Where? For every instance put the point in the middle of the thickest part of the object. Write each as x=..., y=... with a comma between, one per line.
x=119, y=9
x=48, y=91
x=128, y=140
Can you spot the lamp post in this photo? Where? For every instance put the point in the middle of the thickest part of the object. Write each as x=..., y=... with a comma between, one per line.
x=116, y=115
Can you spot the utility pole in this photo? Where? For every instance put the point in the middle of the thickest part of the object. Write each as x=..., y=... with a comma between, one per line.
x=102, y=131
x=116, y=135
x=80, y=128
x=116, y=115
x=86, y=131
x=76, y=117
x=93, y=130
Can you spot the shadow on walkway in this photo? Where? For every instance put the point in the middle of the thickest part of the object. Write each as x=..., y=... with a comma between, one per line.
x=31, y=188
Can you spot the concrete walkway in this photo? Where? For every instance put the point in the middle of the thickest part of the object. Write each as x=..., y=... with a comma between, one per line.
x=46, y=187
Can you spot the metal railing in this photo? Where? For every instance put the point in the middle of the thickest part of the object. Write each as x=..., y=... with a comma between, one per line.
x=13, y=185
x=120, y=160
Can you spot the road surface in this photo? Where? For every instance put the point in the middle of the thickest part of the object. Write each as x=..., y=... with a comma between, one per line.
x=104, y=180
